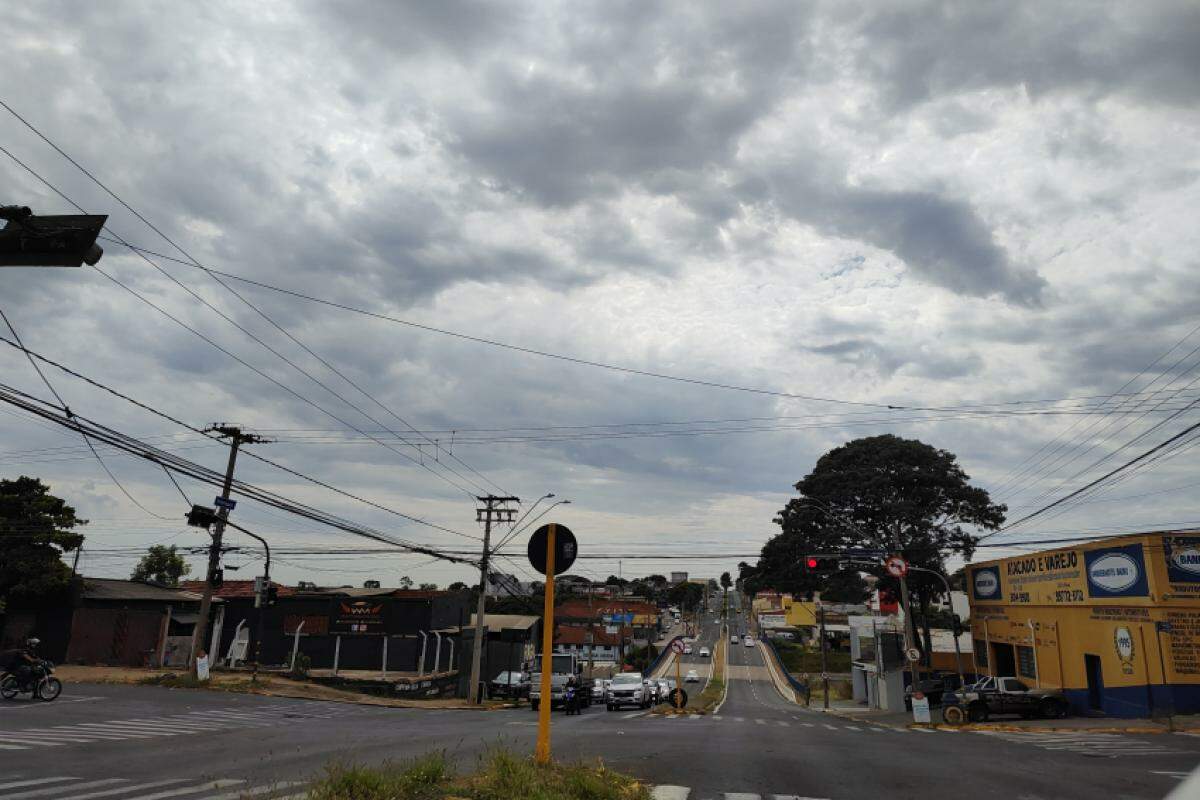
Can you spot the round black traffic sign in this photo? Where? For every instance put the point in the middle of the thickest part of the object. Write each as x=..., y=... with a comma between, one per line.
x=565, y=549
x=678, y=698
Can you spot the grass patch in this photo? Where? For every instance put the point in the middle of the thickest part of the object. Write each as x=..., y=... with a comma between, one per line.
x=173, y=680
x=502, y=775
x=799, y=659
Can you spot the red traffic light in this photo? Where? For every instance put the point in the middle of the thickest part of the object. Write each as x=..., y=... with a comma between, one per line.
x=812, y=563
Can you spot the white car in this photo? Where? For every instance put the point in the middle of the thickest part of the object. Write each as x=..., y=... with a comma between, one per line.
x=748, y=642
x=704, y=652
x=687, y=649
x=627, y=688
x=733, y=639
x=691, y=677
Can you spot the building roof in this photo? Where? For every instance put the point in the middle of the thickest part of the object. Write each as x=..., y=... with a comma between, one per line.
x=358, y=591
x=116, y=589
x=599, y=607
x=231, y=590
x=500, y=622
x=578, y=635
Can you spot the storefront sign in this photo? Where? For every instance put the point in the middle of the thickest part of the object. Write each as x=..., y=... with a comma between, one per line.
x=985, y=583
x=358, y=616
x=1182, y=554
x=1117, y=572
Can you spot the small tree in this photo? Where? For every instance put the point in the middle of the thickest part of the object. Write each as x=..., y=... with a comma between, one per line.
x=405, y=582
x=428, y=587
x=162, y=565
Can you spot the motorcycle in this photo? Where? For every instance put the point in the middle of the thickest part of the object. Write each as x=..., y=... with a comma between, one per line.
x=42, y=685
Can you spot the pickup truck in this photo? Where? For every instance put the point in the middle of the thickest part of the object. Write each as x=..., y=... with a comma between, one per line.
x=1002, y=696
x=627, y=688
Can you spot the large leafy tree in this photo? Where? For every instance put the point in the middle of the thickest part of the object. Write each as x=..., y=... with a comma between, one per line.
x=163, y=565
x=881, y=492
x=36, y=528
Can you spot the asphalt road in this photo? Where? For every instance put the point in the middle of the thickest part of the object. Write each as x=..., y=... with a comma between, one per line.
x=149, y=743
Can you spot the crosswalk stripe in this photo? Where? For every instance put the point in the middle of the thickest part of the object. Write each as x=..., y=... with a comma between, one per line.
x=739, y=719
x=130, y=731
x=123, y=789
x=631, y=716
x=851, y=728
x=35, y=782
x=66, y=730
x=717, y=716
x=830, y=727
x=670, y=792
x=24, y=740
x=924, y=730
x=181, y=726
x=270, y=787
x=207, y=786
x=742, y=796
x=783, y=722
x=43, y=792
x=760, y=721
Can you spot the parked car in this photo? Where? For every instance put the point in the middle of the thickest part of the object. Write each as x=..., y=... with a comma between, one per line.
x=733, y=638
x=691, y=677
x=704, y=652
x=627, y=689
x=599, y=690
x=1005, y=695
x=510, y=684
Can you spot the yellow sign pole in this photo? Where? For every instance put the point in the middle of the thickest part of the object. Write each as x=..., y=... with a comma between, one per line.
x=678, y=680
x=543, y=740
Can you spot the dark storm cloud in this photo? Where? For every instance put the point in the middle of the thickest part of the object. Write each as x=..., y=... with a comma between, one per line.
x=1149, y=52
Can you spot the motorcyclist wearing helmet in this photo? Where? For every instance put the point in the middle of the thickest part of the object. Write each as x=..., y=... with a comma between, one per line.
x=22, y=661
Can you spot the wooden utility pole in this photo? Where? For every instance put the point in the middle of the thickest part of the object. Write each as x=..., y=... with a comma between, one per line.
x=236, y=439
x=491, y=511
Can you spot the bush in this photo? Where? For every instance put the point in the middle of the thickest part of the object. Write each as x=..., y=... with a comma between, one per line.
x=303, y=665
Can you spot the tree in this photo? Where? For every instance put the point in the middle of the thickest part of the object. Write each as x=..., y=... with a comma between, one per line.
x=458, y=587
x=428, y=587
x=405, y=582
x=845, y=586
x=686, y=595
x=726, y=581
x=881, y=492
x=36, y=528
x=162, y=565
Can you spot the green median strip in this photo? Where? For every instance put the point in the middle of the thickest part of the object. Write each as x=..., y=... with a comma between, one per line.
x=500, y=775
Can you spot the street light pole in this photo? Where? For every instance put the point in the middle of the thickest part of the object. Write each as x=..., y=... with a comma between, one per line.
x=260, y=598
x=949, y=598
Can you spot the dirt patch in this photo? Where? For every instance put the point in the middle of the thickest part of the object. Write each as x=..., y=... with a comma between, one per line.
x=268, y=686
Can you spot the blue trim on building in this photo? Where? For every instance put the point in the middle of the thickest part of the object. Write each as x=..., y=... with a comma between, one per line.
x=1136, y=701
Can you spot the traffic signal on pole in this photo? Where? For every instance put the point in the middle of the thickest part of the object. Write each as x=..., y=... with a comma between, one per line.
x=201, y=516
x=218, y=578
x=819, y=563
x=272, y=594
x=64, y=240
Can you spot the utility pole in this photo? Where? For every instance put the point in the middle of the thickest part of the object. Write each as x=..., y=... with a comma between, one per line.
x=910, y=634
x=236, y=439
x=824, y=665
x=492, y=511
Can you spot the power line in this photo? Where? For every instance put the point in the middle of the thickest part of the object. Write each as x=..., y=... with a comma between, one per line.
x=195, y=262
x=418, y=461
x=1190, y=429
x=201, y=432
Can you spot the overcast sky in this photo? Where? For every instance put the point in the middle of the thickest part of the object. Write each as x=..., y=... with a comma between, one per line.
x=922, y=204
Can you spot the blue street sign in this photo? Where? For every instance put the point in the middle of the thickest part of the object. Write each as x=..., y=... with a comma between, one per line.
x=225, y=503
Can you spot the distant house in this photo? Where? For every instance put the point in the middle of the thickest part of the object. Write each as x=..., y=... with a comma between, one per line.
x=110, y=622
x=588, y=642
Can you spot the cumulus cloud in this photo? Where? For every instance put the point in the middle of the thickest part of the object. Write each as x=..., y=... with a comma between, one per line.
x=923, y=204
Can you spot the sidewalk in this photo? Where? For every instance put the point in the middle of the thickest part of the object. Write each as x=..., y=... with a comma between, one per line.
x=904, y=719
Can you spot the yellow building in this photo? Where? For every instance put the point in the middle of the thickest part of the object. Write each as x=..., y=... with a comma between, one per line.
x=1114, y=623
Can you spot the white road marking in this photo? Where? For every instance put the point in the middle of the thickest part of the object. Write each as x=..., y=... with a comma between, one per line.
x=123, y=789
x=761, y=721
x=206, y=786
x=35, y=782
x=670, y=792
x=56, y=789
x=923, y=730
x=851, y=728
x=830, y=727
x=271, y=787
x=631, y=716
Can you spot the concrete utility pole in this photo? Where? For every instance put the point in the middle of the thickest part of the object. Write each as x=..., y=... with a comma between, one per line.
x=491, y=511
x=824, y=663
x=910, y=633
x=236, y=440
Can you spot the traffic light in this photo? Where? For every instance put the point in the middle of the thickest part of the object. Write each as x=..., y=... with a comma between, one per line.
x=218, y=578
x=201, y=516
x=272, y=594
x=66, y=240
x=821, y=563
